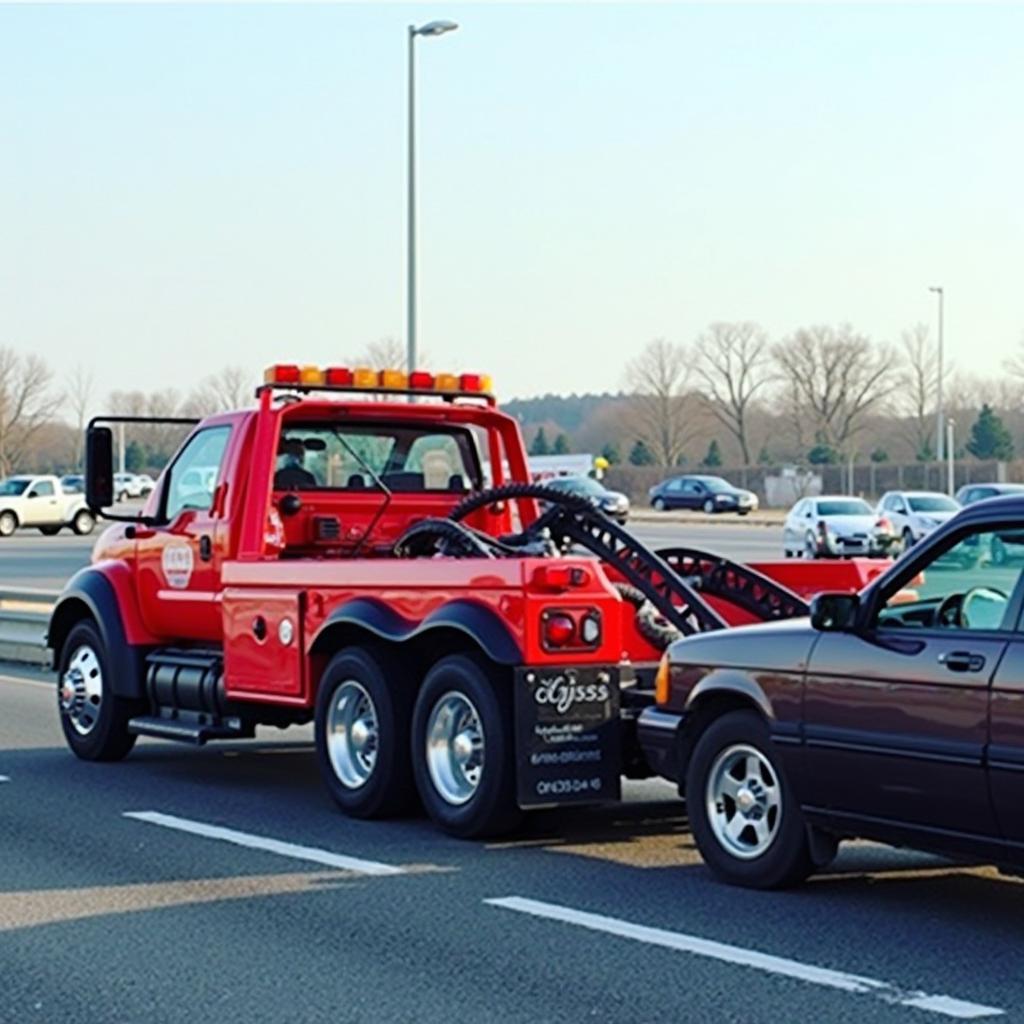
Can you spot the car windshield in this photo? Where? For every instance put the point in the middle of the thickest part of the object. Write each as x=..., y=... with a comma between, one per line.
x=12, y=487
x=716, y=485
x=848, y=507
x=577, y=485
x=932, y=503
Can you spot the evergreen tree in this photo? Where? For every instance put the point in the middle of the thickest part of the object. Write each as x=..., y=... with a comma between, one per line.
x=989, y=437
x=540, y=444
x=764, y=457
x=879, y=455
x=822, y=455
x=713, y=459
x=611, y=452
x=561, y=446
x=134, y=457
x=641, y=455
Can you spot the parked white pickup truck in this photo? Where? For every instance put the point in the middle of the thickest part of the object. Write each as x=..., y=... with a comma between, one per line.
x=40, y=501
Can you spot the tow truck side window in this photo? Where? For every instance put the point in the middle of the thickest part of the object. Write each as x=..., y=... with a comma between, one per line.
x=193, y=477
x=321, y=456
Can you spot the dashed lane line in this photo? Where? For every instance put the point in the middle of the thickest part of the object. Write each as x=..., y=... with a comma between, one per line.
x=5, y=778
x=254, y=842
x=946, y=1006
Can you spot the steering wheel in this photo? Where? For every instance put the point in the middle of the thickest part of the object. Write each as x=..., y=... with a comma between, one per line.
x=950, y=613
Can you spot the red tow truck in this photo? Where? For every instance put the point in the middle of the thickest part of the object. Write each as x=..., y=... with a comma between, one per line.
x=365, y=550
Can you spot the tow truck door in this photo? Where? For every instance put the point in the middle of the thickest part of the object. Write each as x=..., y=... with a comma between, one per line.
x=179, y=562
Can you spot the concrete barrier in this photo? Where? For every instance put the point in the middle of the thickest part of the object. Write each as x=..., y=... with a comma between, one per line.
x=24, y=618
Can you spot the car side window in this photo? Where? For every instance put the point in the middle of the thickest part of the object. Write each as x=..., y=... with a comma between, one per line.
x=965, y=587
x=193, y=477
x=798, y=508
x=692, y=487
x=43, y=489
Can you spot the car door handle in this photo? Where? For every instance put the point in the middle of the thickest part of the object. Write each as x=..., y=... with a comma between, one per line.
x=962, y=661
x=205, y=547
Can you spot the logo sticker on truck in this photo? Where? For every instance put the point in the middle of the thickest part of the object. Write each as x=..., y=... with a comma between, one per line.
x=177, y=565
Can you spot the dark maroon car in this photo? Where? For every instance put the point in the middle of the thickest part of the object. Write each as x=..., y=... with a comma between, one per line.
x=896, y=714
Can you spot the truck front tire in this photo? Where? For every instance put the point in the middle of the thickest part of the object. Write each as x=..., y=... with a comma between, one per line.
x=743, y=814
x=363, y=710
x=94, y=720
x=83, y=522
x=463, y=753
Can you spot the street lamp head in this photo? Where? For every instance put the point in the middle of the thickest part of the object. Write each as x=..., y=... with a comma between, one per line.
x=935, y=288
x=434, y=28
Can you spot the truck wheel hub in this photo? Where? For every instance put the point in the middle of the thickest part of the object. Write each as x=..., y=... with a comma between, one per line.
x=80, y=694
x=462, y=747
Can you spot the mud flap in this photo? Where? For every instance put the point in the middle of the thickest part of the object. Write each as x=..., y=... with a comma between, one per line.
x=568, y=748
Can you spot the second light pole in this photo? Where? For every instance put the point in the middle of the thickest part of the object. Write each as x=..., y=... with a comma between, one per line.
x=432, y=28
x=940, y=422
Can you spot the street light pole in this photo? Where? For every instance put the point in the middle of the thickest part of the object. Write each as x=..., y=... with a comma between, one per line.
x=433, y=28
x=939, y=418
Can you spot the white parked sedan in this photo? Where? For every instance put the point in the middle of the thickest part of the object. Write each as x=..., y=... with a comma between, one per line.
x=834, y=526
x=914, y=514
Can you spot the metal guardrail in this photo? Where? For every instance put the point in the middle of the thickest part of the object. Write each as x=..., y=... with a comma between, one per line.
x=24, y=617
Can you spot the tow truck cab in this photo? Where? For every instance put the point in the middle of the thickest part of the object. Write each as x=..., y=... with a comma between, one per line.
x=365, y=550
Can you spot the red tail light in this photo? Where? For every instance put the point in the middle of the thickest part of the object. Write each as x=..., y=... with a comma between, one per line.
x=559, y=629
x=883, y=525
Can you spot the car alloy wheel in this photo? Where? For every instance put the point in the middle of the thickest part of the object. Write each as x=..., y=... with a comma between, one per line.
x=744, y=801
x=658, y=504
x=8, y=524
x=709, y=507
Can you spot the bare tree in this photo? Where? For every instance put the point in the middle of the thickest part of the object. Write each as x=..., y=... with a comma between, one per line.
x=918, y=390
x=232, y=387
x=838, y=377
x=27, y=403
x=78, y=392
x=665, y=415
x=385, y=354
x=733, y=363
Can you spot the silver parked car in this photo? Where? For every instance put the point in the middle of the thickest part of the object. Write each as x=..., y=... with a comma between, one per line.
x=914, y=514
x=834, y=526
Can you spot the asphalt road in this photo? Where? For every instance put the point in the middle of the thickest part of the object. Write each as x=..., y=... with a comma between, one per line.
x=603, y=914
x=30, y=560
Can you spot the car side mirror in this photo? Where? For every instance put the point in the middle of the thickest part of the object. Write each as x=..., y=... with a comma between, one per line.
x=834, y=613
x=99, y=468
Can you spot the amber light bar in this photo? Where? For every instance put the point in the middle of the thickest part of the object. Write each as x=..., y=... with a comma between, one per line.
x=363, y=378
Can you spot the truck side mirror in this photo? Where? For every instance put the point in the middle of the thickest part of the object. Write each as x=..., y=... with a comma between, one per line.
x=99, y=468
x=834, y=613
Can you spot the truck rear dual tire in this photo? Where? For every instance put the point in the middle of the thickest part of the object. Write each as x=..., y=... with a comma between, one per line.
x=743, y=813
x=463, y=750
x=363, y=712
x=93, y=718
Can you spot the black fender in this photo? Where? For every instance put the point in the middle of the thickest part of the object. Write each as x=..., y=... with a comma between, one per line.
x=475, y=621
x=89, y=594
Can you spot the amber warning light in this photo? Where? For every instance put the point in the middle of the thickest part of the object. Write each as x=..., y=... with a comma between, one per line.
x=363, y=378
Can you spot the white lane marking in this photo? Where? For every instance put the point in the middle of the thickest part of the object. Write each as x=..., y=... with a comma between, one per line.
x=293, y=850
x=28, y=682
x=5, y=778
x=945, y=1005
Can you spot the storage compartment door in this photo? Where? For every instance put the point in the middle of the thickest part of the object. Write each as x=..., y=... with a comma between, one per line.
x=263, y=644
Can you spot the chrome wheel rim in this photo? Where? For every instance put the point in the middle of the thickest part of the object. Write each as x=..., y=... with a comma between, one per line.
x=8, y=524
x=353, y=734
x=744, y=801
x=80, y=694
x=455, y=748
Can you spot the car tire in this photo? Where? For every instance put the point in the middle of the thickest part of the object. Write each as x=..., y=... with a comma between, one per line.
x=810, y=547
x=734, y=754
x=659, y=505
x=8, y=524
x=709, y=507
x=463, y=750
x=743, y=511
x=93, y=718
x=84, y=522
x=49, y=531
x=908, y=539
x=361, y=730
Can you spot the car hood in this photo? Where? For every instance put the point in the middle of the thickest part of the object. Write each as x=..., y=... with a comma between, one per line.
x=936, y=517
x=846, y=526
x=614, y=498
x=776, y=646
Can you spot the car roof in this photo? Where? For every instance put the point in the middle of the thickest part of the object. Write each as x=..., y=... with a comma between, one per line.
x=834, y=497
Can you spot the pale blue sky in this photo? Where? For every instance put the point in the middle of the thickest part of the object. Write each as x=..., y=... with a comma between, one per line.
x=184, y=187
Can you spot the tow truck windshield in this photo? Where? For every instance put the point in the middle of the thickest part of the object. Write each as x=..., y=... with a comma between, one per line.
x=331, y=456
